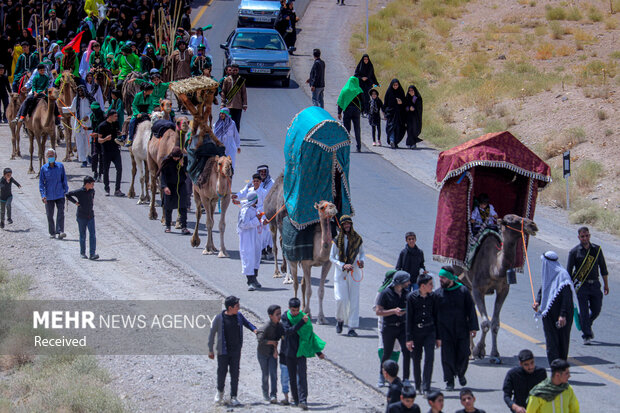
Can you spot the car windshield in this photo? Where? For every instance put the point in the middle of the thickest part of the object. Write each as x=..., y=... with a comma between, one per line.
x=258, y=41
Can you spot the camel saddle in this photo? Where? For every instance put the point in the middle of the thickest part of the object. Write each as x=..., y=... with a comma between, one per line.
x=298, y=244
x=475, y=243
x=161, y=126
x=197, y=158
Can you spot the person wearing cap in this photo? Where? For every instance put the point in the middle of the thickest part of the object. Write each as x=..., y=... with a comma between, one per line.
x=200, y=61
x=141, y=107
x=181, y=60
x=160, y=89
x=5, y=92
x=52, y=24
x=347, y=255
x=26, y=62
x=249, y=248
x=226, y=131
x=80, y=122
x=391, y=305
x=39, y=83
x=126, y=62
x=234, y=94
x=457, y=322
x=422, y=331
x=556, y=306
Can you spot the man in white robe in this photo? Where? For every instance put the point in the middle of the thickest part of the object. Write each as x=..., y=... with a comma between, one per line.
x=249, y=248
x=226, y=131
x=80, y=121
x=347, y=255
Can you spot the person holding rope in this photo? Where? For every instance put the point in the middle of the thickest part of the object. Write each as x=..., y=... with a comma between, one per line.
x=585, y=261
x=172, y=177
x=347, y=255
x=80, y=122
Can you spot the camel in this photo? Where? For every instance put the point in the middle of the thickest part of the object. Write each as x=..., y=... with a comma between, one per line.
x=139, y=160
x=322, y=245
x=158, y=149
x=41, y=124
x=130, y=90
x=273, y=207
x=488, y=275
x=66, y=94
x=214, y=184
x=15, y=101
x=103, y=79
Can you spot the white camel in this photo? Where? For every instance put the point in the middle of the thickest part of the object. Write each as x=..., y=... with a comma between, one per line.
x=139, y=154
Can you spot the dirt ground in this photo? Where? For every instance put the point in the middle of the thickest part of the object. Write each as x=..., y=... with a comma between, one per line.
x=132, y=268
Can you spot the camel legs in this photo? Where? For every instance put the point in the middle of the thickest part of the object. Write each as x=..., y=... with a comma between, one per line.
x=500, y=297
x=295, y=281
x=14, y=141
x=31, y=138
x=134, y=168
x=68, y=144
x=210, y=206
x=147, y=174
x=480, y=350
x=324, y=272
x=306, y=288
x=222, y=227
x=274, y=237
x=195, y=241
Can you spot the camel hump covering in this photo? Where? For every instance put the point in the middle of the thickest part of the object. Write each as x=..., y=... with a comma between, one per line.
x=497, y=164
x=316, y=153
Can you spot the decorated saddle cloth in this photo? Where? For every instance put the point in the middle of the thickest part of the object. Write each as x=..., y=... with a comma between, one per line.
x=197, y=158
x=475, y=242
x=297, y=244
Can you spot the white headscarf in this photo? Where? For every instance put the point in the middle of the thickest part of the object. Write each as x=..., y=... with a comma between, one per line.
x=554, y=278
x=250, y=202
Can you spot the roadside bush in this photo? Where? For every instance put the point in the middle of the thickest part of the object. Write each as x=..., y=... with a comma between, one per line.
x=589, y=213
x=564, y=50
x=555, y=145
x=587, y=174
x=554, y=13
x=601, y=114
x=557, y=30
x=544, y=51
x=573, y=14
x=594, y=14
x=611, y=23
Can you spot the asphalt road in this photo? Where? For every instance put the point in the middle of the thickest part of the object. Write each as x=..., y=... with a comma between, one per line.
x=388, y=203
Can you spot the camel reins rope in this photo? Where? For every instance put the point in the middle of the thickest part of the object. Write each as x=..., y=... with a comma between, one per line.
x=62, y=85
x=529, y=271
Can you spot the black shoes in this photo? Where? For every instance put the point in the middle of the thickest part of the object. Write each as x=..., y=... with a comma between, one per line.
x=352, y=333
x=119, y=194
x=83, y=256
x=94, y=257
x=339, y=325
x=462, y=381
x=449, y=386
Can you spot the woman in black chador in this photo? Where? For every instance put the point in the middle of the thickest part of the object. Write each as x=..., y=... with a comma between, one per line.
x=365, y=72
x=286, y=24
x=413, y=116
x=394, y=108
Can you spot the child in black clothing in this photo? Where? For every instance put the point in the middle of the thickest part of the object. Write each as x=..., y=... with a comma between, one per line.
x=435, y=401
x=406, y=403
x=374, y=116
x=84, y=198
x=468, y=400
x=6, y=196
x=390, y=373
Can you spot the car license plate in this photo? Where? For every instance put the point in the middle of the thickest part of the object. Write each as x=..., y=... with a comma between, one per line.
x=258, y=70
x=262, y=19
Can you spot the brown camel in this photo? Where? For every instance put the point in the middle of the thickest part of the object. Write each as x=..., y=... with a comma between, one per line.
x=213, y=185
x=40, y=124
x=322, y=244
x=487, y=275
x=158, y=149
x=15, y=101
x=66, y=93
x=130, y=90
x=103, y=79
x=273, y=206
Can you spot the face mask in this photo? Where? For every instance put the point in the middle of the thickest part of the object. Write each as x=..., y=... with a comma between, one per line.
x=51, y=159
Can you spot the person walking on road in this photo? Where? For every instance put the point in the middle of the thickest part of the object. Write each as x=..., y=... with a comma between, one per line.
x=267, y=352
x=394, y=109
x=422, y=331
x=520, y=380
x=249, y=242
x=406, y=402
x=411, y=258
x=391, y=305
x=554, y=394
x=350, y=102
x=456, y=316
x=317, y=79
x=365, y=72
x=228, y=327
x=234, y=95
x=347, y=255
x=375, y=108
x=226, y=131
x=6, y=195
x=84, y=198
x=395, y=385
x=107, y=135
x=300, y=342
x=585, y=262
x=172, y=180
x=53, y=187
x=413, y=116
x=555, y=304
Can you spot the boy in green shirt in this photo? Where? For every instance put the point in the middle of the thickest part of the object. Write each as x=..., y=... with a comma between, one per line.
x=127, y=62
x=159, y=88
x=141, y=106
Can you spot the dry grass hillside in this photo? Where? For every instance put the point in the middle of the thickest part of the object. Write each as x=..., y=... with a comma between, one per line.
x=548, y=71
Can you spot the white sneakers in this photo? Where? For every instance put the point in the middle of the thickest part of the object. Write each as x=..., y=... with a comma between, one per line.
x=219, y=399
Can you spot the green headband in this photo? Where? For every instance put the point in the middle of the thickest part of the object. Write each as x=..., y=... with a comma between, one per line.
x=447, y=274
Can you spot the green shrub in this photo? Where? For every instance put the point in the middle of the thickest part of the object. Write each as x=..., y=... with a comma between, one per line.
x=554, y=13
x=587, y=174
x=573, y=14
x=594, y=14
